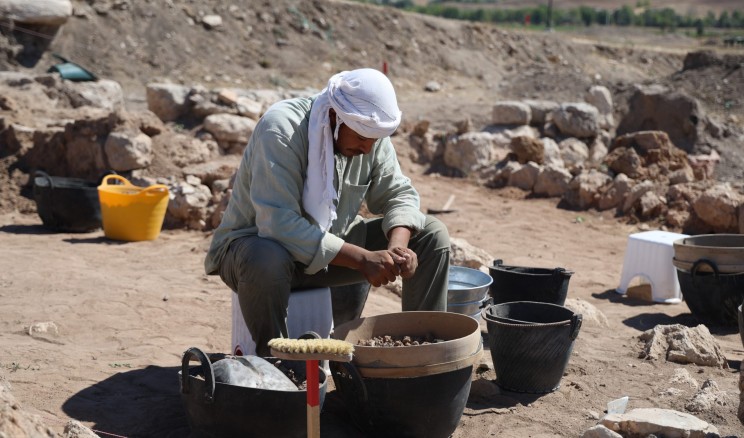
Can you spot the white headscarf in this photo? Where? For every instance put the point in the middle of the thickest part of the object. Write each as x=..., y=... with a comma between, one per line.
x=365, y=101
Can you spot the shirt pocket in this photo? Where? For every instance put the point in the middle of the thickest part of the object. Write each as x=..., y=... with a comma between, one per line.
x=349, y=203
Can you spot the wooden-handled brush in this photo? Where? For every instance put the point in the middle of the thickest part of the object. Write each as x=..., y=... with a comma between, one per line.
x=311, y=351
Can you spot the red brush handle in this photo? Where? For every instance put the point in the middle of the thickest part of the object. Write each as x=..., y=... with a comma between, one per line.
x=313, y=399
x=313, y=394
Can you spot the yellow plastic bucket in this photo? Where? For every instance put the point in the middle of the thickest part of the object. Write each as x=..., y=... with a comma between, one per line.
x=130, y=212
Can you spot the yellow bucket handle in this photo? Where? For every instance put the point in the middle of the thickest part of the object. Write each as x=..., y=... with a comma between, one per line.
x=146, y=191
x=155, y=189
x=119, y=178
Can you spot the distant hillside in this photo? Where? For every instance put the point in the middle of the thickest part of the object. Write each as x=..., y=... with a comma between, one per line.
x=294, y=44
x=697, y=8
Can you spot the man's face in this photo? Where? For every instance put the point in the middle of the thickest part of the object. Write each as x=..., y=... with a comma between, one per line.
x=351, y=144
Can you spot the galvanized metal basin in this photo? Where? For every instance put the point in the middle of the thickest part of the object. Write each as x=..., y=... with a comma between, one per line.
x=467, y=291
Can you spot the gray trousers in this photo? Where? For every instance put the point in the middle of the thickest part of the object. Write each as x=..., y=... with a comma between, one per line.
x=263, y=273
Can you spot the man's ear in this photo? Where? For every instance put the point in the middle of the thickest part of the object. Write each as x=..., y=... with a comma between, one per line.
x=332, y=118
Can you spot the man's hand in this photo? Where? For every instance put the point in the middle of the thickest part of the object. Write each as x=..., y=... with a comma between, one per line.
x=406, y=261
x=379, y=267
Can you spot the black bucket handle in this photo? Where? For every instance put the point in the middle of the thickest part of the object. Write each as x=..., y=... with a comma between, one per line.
x=206, y=369
x=576, y=321
x=700, y=262
x=557, y=272
x=486, y=302
x=356, y=380
x=559, y=276
x=42, y=174
x=562, y=272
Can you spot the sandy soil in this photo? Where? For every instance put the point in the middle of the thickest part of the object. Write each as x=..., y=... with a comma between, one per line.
x=126, y=312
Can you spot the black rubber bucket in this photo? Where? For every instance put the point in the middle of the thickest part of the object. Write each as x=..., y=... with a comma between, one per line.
x=520, y=283
x=217, y=409
x=531, y=344
x=712, y=297
x=67, y=204
x=424, y=406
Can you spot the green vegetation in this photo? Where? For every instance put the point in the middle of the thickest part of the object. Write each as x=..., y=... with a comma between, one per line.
x=640, y=15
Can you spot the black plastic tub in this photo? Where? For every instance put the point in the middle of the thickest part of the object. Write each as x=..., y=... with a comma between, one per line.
x=67, y=204
x=531, y=344
x=522, y=283
x=411, y=407
x=215, y=409
x=712, y=297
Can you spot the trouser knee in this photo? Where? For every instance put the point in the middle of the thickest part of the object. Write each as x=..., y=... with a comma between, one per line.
x=260, y=271
x=434, y=236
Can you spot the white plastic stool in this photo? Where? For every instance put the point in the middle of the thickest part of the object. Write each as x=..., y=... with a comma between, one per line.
x=309, y=310
x=649, y=254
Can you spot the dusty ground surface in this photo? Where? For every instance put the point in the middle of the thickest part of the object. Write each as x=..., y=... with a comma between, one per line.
x=127, y=311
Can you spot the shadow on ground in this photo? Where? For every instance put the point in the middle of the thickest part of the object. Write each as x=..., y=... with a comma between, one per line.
x=25, y=229
x=41, y=229
x=646, y=321
x=635, y=296
x=137, y=403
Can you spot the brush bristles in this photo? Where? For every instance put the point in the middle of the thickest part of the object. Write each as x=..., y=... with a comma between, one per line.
x=308, y=346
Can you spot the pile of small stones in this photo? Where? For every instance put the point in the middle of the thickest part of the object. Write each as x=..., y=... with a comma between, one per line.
x=398, y=341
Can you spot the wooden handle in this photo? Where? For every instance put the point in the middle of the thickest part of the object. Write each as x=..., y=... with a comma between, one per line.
x=313, y=399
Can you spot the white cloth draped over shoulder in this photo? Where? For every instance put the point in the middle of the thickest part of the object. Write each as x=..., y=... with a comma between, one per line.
x=365, y=101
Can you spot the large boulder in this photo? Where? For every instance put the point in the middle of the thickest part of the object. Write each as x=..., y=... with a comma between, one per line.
x=229, y=129
x=719, y=207
x=511, y=113
x=128, y=151
x=103, y=93
x=584, y=189
x=646, y=154
x=46, y=12
x=656, y=108
x=680, y=344
x=527, y=148
x=601, y=98
x=552, y=181
x=540, y=110
x=168, y=101
x=471, y=150
x=577, y=120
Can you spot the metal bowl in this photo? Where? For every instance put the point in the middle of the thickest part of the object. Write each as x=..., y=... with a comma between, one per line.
x=467, y=284
x=467, y=291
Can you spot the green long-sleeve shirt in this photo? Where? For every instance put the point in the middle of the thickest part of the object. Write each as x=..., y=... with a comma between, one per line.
x=267, y=192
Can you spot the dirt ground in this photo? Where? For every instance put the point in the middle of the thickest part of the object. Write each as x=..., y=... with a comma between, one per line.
x=126, y=312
